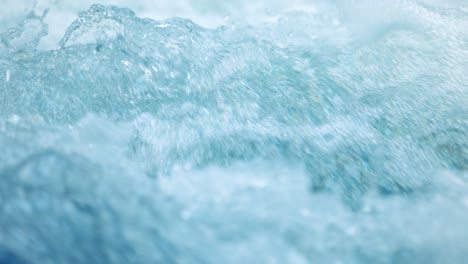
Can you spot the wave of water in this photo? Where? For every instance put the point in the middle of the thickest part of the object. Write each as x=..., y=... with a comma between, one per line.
x=336, y=135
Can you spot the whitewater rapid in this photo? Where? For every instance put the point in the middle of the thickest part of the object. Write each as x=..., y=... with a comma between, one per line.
x=204, y=132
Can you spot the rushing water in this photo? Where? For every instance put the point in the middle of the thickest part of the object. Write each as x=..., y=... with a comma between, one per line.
x=322, y=133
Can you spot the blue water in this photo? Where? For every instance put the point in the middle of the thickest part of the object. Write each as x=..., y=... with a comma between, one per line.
x=333, y=136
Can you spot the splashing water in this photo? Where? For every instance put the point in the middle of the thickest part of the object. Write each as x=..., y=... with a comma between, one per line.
x=337, y=135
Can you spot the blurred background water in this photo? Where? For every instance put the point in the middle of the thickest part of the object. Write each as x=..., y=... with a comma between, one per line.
x=199, y=131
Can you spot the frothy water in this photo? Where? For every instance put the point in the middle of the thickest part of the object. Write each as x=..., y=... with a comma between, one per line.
x=336, y=134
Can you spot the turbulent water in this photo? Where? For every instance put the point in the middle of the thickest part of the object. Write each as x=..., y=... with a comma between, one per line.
x=336, y=133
